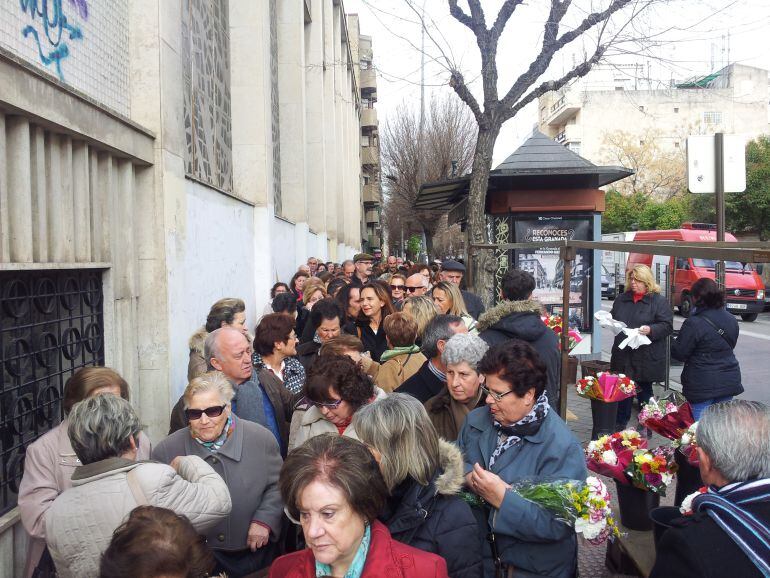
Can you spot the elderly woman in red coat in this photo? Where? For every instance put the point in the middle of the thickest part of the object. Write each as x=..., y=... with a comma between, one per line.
x=332, y=486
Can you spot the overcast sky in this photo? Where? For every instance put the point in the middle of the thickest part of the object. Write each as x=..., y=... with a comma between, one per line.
x=688, y=35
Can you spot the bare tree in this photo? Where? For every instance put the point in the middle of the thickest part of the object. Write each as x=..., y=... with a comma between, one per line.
x=492, y=110
x=409, y=159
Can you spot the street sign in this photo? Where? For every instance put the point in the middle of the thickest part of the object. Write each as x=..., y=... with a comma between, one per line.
x=701, y=169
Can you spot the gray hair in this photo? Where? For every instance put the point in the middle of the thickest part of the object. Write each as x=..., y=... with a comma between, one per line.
x=101, y=427
x=211, y=381
x=399, y=428
x=422, y=279
x=736, y=436
x=439, y=329
x=464, y=347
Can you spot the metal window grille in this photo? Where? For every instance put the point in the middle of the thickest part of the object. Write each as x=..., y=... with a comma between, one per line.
x=51, y=324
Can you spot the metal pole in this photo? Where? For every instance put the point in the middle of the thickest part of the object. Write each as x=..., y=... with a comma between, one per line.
x=567, y=255
x=719, y=153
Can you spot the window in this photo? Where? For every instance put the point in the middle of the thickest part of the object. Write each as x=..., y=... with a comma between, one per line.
x=619, y=88
x=574, y=147
x=51, y=325
x=365, y=140
x=676, y=109
x=713, y=117
x=367, y=178
x=676, y=145
x=641, y=108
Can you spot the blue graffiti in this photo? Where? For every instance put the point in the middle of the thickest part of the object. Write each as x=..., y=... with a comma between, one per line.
x=57, y=28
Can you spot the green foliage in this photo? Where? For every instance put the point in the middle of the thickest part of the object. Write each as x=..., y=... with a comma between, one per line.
x=413, y=245
x=623, y=211
x=749, y=212
x=669, y=214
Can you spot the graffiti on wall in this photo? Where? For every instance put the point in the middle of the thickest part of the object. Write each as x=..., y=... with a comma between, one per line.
x=51, y=29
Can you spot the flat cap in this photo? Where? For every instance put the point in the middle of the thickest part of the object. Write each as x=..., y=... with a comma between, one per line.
x=450, y=265
x=362, y=257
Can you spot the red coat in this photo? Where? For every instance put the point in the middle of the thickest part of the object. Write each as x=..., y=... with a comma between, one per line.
x=387, y=558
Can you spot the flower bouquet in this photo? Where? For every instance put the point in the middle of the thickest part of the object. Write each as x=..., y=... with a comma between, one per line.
x=686, y=508
x=554, y=322
x=666, y=417
x=652, y=470
x=606, y=387
x=687, y=445
x=611, y=454
x=583, y=505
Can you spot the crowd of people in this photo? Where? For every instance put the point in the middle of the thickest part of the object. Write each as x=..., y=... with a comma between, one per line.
x=370, y=426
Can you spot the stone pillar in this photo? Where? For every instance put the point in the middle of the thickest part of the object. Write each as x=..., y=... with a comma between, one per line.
x=39, y=204
x=19, y=189
x=63, y=208
x=82, y=202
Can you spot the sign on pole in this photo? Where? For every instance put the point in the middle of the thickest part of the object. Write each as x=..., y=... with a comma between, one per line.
x=701, y=169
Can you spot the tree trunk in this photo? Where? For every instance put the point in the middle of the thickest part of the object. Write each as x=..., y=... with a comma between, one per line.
x=428, y=242
x=481, y=261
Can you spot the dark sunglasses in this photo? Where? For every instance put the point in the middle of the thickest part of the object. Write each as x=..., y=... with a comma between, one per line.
x=328, y=405
x=193, y=414
x=396, y=287
x=411, y=289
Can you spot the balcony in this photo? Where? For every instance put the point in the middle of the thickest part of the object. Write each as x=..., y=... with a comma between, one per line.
x=374, y=242
x=369, y=118
x=370, y=155
x=372, y=193
x=373, y=217
x=568, y=134
x=563, y=108
x=368, y=79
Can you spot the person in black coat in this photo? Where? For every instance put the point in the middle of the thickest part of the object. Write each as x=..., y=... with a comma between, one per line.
x=424, y=475
x=641, y=307
x=430, y=379
x=519, y=317
x=375, y=307
x=325, y=321
x=697, y=546
x=705, y=343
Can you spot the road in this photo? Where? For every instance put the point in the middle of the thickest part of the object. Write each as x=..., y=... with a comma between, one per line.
x=752, y=351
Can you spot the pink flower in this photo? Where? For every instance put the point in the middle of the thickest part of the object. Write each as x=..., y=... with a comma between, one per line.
x=653, y=479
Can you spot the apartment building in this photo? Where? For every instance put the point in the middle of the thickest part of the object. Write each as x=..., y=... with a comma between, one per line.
x=156, y=156
x=585, y=115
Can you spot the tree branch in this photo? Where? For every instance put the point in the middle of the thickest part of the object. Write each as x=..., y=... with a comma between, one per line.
x=457, y=82
x=503, y=16
x=552, y=44
x=458, y=14
x=552, y=85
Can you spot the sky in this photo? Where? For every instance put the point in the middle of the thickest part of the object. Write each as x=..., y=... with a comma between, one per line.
x=684, y=38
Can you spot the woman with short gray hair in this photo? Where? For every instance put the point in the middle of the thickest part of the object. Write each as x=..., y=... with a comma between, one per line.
x=447, y=409
x=104, y=431
x=728, y=532
x=424, y=475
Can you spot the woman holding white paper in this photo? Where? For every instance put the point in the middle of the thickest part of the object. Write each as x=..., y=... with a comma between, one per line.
x=641, y=307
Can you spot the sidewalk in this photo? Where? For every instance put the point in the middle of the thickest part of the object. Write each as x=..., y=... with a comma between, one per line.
x=591, y=558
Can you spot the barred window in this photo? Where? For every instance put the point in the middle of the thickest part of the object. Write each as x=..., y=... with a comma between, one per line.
x=712, y=117
x=51, y=325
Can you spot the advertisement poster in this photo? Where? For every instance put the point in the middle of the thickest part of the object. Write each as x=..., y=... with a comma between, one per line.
x=548, y=269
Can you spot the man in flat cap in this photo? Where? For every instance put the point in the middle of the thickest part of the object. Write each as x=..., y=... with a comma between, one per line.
x=452, y=272
x=363, y=263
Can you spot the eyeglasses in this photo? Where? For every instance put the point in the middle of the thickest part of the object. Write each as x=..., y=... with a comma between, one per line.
x=215, y=411
x=495, y=396
x=397, y=287
x=328, y=405
x=412, y=289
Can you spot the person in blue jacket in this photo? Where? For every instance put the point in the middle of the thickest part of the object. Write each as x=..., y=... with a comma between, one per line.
x=518, y=437
x=705, y=343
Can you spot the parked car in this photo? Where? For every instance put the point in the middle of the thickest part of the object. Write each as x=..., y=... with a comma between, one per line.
x=609, y=289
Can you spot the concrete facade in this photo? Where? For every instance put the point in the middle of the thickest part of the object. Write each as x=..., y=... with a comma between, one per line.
x=612, y=99
x=100, y=176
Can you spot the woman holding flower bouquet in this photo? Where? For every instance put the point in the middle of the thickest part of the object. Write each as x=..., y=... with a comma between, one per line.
x=641, y=307
x=515, y=438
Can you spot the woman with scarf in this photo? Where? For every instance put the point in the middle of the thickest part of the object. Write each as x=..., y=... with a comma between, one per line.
x=518, y=437
x=403, y=358
x=462, y=394
x=247, y=457
x=727, y=532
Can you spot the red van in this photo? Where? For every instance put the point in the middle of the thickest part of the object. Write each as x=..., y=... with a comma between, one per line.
x=745, y=291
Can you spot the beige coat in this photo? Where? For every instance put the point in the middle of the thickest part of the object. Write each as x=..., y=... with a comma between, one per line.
x=80, y=522
x=197, y=364
x=398, y=369
x=311, y=422
x=48, y=468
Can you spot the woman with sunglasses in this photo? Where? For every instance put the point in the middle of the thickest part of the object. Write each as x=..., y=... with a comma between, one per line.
x=335, y=388
x=517, y=436
x=397, y=290
x=247, y=458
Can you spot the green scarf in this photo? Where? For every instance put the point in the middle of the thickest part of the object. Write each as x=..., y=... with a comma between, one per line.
x=390, y=353
x=357, y=566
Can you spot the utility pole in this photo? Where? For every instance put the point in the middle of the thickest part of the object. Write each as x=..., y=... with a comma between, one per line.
x=420, y=170
x=719, y=155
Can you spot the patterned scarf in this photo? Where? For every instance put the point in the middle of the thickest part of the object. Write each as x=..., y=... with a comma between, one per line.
x=509, y=436
x=396, y=351
x=725, y=507
x=217, y=444
x=357, y=566
x=293, y=372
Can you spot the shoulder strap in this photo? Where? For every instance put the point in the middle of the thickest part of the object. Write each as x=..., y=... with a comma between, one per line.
x=136, y=488
x=717, y=329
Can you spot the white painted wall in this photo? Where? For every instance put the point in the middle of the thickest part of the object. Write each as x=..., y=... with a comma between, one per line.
x=212, y=258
